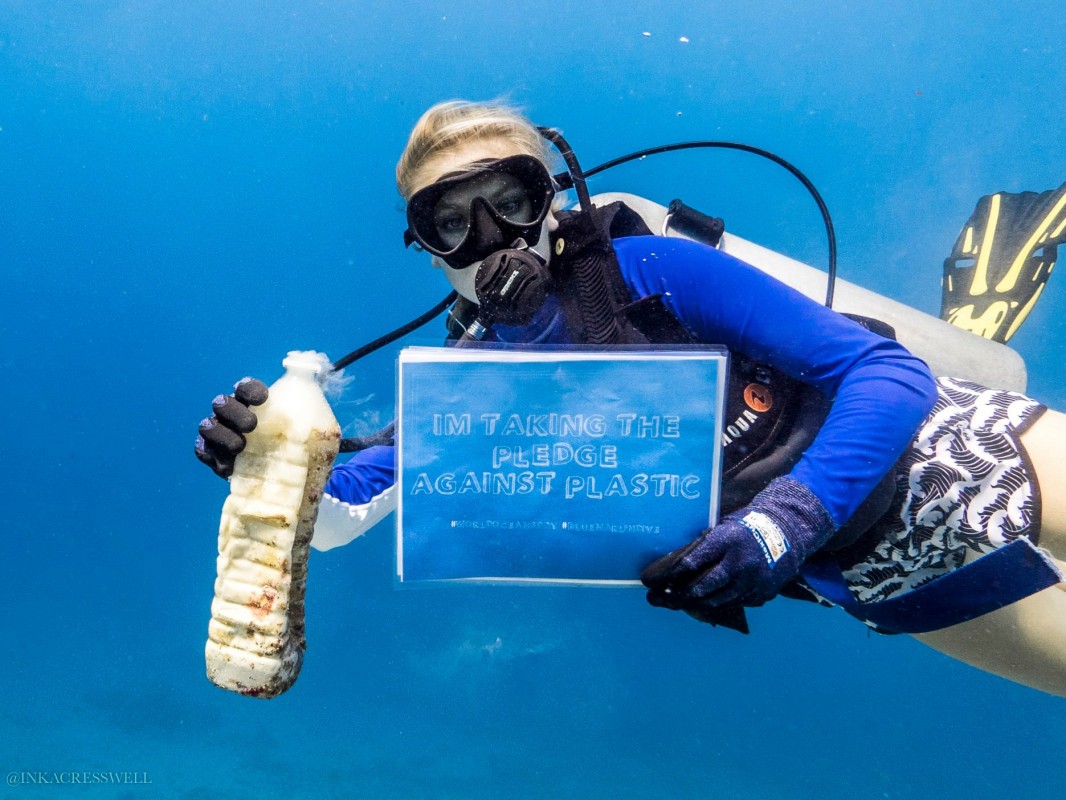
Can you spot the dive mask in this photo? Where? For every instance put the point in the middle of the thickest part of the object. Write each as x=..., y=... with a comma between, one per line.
x=465, y=217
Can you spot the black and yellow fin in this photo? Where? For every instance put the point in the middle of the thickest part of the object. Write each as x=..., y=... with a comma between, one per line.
x=1002, y=260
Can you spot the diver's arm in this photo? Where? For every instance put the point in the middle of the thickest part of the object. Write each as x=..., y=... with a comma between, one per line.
x=358, y=495
x=881, y=392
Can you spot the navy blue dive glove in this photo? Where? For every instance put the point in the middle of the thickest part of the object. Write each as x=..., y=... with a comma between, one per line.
x=222, y=434
x=746, y=558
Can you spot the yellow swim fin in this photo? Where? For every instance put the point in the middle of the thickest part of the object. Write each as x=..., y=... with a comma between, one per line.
x=1002, y=260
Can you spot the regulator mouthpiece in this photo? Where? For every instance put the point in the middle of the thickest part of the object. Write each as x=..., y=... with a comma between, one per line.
x=511, y=286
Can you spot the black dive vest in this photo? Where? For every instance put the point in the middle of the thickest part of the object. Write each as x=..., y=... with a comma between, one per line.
x=770, y=417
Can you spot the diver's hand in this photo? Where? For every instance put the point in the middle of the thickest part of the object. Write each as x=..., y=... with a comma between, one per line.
x=748, y=556
x=222, y=434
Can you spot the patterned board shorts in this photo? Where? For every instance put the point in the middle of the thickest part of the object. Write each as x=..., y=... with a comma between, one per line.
x=965, y=487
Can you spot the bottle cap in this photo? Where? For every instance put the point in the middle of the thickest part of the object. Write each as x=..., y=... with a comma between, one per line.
x=308, y=362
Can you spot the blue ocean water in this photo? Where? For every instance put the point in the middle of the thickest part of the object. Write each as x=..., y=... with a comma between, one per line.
x=187, y=191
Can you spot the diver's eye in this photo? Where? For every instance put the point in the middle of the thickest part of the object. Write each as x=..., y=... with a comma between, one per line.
x=451, y=223
x=451, y=228
x=515, y=207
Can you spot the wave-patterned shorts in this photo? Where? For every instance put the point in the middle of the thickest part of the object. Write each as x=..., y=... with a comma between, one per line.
x=964, y=488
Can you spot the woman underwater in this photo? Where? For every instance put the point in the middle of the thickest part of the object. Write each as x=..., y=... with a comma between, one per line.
x=975, y=469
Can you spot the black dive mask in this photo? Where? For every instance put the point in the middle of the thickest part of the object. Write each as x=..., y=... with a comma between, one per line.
x=464, y=218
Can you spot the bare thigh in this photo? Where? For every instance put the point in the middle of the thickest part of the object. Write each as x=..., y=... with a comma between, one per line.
x=1046, y=444
x=1024, y=642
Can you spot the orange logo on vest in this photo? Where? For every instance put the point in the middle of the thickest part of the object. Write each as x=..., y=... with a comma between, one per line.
x=758, y=397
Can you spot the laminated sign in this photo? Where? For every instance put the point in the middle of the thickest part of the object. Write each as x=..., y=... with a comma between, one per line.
x=556, y=466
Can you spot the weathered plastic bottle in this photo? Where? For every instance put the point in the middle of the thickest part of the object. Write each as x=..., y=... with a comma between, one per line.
x=256, y=641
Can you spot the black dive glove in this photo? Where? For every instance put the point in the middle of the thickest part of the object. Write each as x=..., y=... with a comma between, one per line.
x=745, y=559
x=222, y=434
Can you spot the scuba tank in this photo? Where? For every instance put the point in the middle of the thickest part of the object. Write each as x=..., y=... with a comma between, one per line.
x=256, y=638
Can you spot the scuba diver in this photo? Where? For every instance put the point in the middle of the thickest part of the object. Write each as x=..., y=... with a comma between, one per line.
x=935, y=507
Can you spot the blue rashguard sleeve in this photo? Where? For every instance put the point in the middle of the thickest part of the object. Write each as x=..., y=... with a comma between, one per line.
x=881, y=392
x=364, y=476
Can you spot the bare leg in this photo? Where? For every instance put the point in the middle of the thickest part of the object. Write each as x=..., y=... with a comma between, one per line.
x=1026, y=642
x=1046, y=444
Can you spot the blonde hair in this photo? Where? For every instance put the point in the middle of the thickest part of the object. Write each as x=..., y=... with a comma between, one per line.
x=448, y=126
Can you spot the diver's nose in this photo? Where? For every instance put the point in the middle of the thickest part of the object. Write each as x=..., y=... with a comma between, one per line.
x=485, y=233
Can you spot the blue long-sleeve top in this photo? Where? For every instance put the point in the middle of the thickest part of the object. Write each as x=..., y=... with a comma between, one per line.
x=881, y=392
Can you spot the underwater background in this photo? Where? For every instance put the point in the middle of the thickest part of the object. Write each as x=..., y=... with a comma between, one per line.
x=189, y=190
